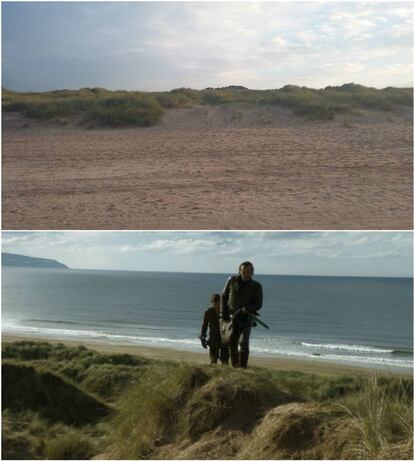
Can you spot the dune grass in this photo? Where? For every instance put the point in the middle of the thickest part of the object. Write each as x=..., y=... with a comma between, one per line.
x=101, y=107
x=125, y=111
x=54, y=398
x=166, y=409
x=105, y=375
x=71, y=445
x=97, y=107
x=184, y=402
x=381, y=412
x=26, y=435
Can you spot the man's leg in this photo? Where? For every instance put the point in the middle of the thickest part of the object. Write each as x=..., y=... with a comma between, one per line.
x=244, y=345
x=224, y=354
x=234, y=349
x=214, y=353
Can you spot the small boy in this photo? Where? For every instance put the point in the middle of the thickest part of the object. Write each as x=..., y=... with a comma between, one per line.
x=212, y=319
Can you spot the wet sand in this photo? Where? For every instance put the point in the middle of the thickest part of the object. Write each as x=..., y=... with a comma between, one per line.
x=161, y=353
x=226, y=167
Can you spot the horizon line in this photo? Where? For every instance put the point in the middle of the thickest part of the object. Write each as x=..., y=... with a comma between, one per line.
x=6, y=88
x=211, y=273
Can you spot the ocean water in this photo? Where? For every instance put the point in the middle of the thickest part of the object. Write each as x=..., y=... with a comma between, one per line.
x=348, y=320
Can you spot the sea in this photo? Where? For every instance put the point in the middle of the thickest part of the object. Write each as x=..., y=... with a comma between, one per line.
x=358, y=321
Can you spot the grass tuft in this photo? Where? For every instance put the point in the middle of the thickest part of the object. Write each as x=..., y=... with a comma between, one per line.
x=71, y=445
x=382, y=413
x=149, y=411
x=125, y=111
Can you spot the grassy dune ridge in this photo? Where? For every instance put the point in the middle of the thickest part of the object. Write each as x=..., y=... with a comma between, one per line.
x=101, y=107
x=128, y=407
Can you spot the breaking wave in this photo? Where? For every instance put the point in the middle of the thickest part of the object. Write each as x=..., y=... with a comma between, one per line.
x=193, y=344
x=351, y=348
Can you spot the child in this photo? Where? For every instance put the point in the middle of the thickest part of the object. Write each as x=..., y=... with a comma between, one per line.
x=212, y=319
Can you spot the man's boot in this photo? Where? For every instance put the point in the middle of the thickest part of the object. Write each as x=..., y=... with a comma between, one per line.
x=244, y=357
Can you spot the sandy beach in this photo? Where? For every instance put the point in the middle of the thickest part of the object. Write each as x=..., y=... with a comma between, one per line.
x=161, y=353
x=210, y=167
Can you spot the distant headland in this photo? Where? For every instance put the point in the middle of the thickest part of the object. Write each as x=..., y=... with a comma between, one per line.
x=10, y=259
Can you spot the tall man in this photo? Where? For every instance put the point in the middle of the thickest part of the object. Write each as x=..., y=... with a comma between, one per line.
x=242, y=296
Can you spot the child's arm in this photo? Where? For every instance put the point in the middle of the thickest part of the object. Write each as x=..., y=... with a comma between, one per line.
x=203, y=334
x=204, y=326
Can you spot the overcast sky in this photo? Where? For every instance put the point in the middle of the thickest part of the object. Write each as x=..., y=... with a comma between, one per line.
x=307, y=253
x=161, y=46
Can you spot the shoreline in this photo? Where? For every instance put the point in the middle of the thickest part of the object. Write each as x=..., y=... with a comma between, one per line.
x=163, y=353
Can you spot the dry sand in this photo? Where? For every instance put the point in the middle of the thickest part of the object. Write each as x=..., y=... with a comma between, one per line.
x=161, y=353
x=226, y=167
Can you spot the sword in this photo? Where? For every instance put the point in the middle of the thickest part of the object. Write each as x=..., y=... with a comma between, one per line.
x=260, y=322
x=256, y=318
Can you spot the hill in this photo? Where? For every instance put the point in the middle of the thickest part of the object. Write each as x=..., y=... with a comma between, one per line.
x=10, y=259
x=152, y=409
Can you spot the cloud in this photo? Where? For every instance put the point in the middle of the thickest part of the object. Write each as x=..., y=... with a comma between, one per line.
x=33, y=238
x=16, y=240
x=173, y=245
x=278, y=41
x=165, y=45
x=297, y=252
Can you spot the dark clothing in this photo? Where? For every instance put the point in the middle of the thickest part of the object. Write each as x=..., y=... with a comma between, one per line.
x=217, y=350
x=240, y=336
x=236, y=295
x=211, y=319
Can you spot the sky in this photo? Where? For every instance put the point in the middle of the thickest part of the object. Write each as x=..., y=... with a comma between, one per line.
x=165, y=45
x=383, y=254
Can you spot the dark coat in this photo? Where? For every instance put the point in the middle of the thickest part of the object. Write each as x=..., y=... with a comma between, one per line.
x=211, y=319
x=238, y=294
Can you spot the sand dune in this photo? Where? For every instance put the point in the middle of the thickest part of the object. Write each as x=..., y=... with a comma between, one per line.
x=125, y=406
x=225, y=167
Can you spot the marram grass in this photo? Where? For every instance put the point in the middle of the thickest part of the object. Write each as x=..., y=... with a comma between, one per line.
x=64, y=402
x=101, y=107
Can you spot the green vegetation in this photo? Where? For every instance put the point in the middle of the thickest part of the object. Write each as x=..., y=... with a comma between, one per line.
x=382, y=414
x=105, y=375
x=74, y=403
x=101, y=107
x=71, y=445
x=25, y=387
x=26, y=435
x=125, y=111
